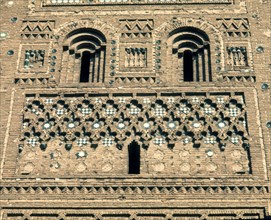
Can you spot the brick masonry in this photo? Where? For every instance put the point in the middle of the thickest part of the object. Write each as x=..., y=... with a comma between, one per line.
x=205, y=160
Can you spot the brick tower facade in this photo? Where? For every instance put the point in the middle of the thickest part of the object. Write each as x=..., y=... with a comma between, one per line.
x=135, y=109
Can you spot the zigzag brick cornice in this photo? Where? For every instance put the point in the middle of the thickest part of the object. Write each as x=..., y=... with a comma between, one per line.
x=146, y=191
x=233, y=23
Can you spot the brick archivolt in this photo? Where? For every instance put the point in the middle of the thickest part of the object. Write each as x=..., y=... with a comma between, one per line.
x=167, y=27
x=108, y=30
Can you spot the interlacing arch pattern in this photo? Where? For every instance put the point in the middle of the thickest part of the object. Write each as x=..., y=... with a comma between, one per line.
x=78, y=126
x=162, y=120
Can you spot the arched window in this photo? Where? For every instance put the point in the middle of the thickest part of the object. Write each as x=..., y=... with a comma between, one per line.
x=134, y=158
x=191, y=54
x=84, y=53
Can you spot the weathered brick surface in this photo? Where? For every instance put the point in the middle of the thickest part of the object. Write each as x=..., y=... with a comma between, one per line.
x=177, y=180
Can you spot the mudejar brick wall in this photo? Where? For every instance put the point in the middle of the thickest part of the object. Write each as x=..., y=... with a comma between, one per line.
x=135, y=109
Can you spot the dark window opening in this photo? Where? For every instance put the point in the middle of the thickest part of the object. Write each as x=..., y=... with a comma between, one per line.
x=134, y=158
x=188, y=66
x=85, y=64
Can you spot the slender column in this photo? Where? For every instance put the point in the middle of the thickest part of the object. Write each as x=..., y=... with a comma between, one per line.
x=194, y=67
x=127, y=57
x=101, y=66
x=136, y=55
x=200, y=67
x=180, y=66
x=104, y=64
x=91, y=69
x=97, y=63
x=206, y=66
x=77, y=69
x=209, y=64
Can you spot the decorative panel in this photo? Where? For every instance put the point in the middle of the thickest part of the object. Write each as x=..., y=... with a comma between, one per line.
x=237, y=57
x=135, y=59
x=37, y=29
x=136, y=213
x=33, y=58
x=234, y=27
x=179, y=134
x=100, y=2
x=136, y=28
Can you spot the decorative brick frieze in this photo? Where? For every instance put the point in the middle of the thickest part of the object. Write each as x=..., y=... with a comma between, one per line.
x=70, y=128
x=123, y=2
x=37, y=30
x=137, y=213
x=100, y=191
